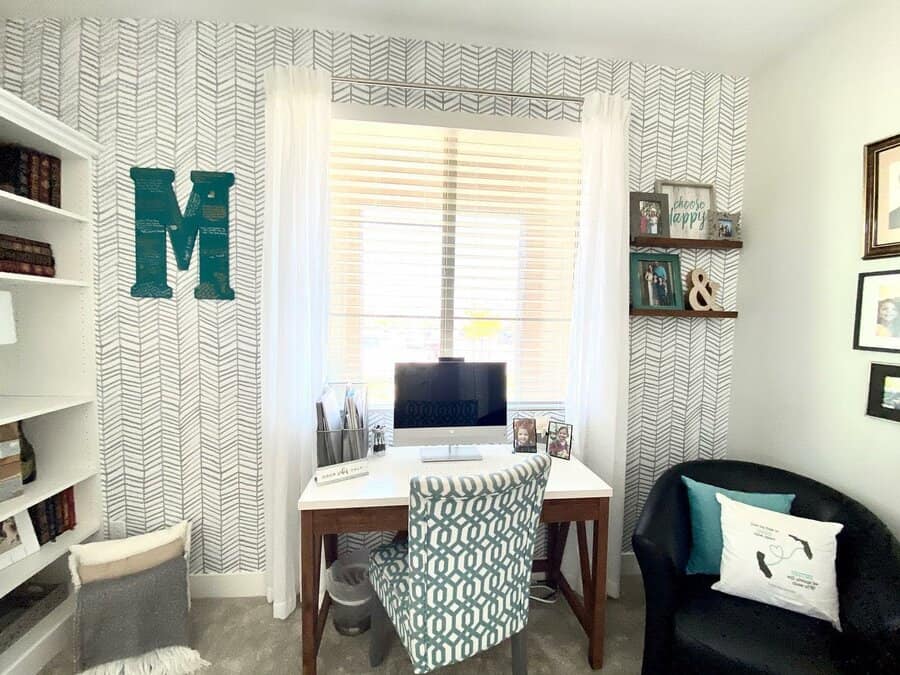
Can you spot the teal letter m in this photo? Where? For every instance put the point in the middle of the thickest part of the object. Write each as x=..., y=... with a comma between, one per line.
x=156, y=212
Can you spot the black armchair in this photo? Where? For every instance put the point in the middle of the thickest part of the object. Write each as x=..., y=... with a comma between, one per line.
x=693, y=629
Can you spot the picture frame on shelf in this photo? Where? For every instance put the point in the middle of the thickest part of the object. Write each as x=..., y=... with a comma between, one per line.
x=649, y=214
x=725, y=225
x=884, y=391
x=882, y=197
x=17, y=539
x=525, y=434
x=690, y=203
x=559, y=440
x=877, y=322
x=656, y=281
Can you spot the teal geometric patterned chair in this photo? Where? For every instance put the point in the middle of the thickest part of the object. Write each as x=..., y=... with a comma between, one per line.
x=459, y=584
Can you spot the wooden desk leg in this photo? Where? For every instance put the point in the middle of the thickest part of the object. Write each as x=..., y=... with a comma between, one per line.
x=587, y=583
x=597, y=609
x=331, y=549
x=310, y=545
x=560, y=533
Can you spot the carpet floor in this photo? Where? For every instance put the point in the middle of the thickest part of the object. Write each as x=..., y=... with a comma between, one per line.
x=239, y=635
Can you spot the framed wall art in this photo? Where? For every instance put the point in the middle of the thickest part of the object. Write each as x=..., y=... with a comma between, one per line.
x=884, y=391
x=883, y=198
x=656, y=281
x=878, y=312
x=689, y=207
x=649, y=214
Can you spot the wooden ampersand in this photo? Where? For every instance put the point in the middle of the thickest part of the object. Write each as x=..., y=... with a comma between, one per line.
x=702, y=296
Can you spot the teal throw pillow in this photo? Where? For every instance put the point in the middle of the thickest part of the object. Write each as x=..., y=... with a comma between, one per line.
x=706, y=520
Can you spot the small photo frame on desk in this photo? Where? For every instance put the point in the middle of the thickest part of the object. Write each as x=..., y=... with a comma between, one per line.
x=525, y=434
x=559, y=440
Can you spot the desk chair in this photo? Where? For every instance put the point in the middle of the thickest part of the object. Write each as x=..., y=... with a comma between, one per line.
x=459, y=584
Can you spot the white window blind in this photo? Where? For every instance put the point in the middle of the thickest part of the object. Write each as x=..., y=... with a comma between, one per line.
x=452, y=242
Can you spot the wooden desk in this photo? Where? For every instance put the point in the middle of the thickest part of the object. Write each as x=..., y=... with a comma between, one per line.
x=380, y=501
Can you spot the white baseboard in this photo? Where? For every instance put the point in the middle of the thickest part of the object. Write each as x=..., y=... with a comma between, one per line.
x=236, y=585
x=630, y=564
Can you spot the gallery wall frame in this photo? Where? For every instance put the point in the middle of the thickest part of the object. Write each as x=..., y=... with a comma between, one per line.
x=884, y=391
x=882, y=198
x=877, y=320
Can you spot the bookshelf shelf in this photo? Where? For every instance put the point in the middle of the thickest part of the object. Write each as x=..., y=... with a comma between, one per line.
x=684, y=313
x=9, y=279
x=56, y=480
x=15, y=408
x=26, y=568
x=672, y=242
x=29, y=654
x=17, y=209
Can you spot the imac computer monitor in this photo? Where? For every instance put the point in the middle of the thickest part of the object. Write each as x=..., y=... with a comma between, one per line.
x=449, y=403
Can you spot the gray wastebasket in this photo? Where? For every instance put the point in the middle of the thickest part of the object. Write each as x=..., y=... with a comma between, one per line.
x=347, y=582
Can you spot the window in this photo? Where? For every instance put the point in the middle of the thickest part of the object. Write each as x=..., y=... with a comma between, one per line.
x=452, y=242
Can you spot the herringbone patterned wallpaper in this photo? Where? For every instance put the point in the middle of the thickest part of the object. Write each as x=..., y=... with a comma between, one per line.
x=179, y=379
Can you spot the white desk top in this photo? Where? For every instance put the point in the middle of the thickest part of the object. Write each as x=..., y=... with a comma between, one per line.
x=388, y=481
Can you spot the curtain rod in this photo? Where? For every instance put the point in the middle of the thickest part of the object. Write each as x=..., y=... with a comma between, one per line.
x=456, y=90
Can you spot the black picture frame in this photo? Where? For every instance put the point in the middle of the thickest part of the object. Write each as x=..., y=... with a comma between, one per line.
x=858, y=338
x=635, y=213
x=529, y=424
x=884, y=402
x=553, y=449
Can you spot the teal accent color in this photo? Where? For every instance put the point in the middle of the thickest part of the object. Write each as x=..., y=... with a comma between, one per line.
x=156, y=212
x=706, y=520
x=460, y=584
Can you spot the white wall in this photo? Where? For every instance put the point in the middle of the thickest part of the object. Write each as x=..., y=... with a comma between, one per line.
x=800, y=390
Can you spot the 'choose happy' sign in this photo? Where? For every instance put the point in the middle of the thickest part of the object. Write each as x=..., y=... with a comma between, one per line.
x=689, y=206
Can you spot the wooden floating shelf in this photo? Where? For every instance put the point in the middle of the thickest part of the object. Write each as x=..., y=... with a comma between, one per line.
x=670, y=242
x=684, y=312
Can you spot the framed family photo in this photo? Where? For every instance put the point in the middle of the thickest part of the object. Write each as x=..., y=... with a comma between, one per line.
x=17, y=539
x=883, y=198
x=878, y=312
x=559, y=440
x=649, y=214
x=689, y=207
x=884, y=391
x=656, y=281
x=725, y=225
x=525, y=434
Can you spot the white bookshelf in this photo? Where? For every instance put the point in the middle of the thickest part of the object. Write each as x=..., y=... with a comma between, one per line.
x=49, y=375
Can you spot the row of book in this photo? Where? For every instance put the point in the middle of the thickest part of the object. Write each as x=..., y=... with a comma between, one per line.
x=53, y=516
x=29, y=173
x=26, y=256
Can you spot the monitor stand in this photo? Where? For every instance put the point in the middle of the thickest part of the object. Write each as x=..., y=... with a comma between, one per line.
x=450, y=453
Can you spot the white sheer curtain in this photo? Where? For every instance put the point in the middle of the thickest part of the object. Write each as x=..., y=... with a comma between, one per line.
x=597, y=399
x=294, y=309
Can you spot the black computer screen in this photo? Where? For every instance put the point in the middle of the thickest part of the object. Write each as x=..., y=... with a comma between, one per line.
x=449, y=394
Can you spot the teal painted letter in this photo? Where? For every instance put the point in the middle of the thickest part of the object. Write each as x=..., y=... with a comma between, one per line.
x=156, y=212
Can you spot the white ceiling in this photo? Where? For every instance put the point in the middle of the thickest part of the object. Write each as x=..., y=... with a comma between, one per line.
x=731, y=36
